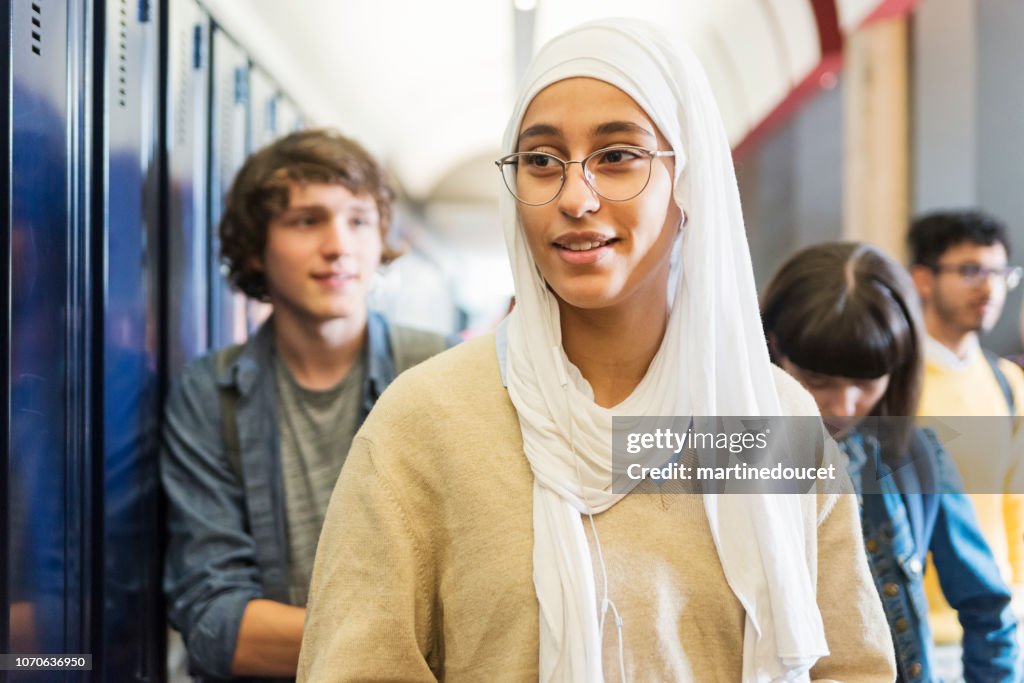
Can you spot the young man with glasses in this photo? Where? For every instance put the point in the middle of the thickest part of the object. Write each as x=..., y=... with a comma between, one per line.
x=960, y=268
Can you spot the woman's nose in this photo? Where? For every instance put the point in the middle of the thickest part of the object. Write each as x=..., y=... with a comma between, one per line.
x=843, y=402
x=577, y=197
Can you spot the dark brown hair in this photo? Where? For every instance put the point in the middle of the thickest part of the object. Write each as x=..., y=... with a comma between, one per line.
x=261, y=188
x=934, y=234
x=848, y=310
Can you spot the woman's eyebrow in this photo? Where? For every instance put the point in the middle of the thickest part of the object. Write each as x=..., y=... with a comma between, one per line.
x=539, y=130
x=607, y=128
x=622, y=127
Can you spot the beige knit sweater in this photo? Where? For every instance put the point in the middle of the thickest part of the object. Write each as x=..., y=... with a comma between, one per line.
x=423, y=571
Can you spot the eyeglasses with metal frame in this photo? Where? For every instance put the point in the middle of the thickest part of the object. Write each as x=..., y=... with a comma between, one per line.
x=617, y=173
x=974, y=274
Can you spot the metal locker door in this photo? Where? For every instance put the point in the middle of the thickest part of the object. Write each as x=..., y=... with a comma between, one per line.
x=44, y=501
x=229, y=145
x=263, y=120
x=125, y=212
x=187, y=147
x=263, y=96
x=289, y=118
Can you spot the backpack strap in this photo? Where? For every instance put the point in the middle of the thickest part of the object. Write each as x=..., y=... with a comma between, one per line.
x=1004, y=384
x=410, y=346
x=224, y=359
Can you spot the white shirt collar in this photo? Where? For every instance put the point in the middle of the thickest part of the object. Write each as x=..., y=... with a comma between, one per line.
x=937, y=352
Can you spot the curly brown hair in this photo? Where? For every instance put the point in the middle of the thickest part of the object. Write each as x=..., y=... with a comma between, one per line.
x=260, y=191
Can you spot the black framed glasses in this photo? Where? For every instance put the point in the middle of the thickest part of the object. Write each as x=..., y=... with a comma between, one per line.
x=616, y=173
x=974, y=274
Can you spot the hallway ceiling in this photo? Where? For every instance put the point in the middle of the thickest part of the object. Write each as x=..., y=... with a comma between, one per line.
x=428, y=85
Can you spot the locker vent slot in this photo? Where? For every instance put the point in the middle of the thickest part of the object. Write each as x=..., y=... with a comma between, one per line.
x=122, y=57
x=183, y=100
x=37, y=29
x=197, y=47
x=241, y=85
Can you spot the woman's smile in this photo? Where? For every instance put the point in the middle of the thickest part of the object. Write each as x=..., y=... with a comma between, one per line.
x=584, y=248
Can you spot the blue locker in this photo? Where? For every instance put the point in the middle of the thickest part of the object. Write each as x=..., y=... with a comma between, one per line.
x=230, y=143
x=110, y=192
x=187, y=148
x=47, y=462
x=125, y=213
x=80, y=569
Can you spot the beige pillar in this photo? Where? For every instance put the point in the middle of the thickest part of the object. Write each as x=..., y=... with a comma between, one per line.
x=876, y=146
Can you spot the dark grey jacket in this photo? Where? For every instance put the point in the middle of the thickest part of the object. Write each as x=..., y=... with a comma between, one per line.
x=227, y=536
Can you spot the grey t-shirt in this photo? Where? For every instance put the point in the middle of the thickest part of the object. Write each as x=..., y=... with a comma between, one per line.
x=316, y=432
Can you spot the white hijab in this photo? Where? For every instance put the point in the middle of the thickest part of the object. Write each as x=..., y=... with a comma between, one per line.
x=713, y=361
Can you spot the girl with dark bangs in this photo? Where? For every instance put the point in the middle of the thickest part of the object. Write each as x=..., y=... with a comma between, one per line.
x=844, y=320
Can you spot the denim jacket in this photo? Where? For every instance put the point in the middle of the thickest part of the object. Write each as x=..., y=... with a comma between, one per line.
x=227, y=538
x=919, y=507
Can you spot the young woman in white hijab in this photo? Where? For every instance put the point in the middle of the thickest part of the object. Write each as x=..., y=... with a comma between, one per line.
x=474, y=533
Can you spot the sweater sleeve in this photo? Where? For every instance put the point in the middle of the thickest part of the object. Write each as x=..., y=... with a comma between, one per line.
x=370, y=611
x=858, y=636
x=1013, y=508
x=1013, y=497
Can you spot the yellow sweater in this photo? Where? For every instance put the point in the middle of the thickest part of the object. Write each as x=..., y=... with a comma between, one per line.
x=996, y=487
x=424, y=568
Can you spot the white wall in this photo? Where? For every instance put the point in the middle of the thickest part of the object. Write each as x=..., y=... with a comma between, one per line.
x=791, y=185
